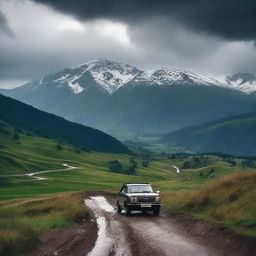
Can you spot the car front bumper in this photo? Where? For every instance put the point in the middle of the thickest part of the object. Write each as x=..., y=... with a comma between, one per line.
x=144, y=206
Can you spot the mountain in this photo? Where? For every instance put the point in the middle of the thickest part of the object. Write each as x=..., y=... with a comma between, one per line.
x=245, y=82
x=50, y=126
x=116, y=97
x=234, y=135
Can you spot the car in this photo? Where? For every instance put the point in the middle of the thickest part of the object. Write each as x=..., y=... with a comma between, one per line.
x=138, y=197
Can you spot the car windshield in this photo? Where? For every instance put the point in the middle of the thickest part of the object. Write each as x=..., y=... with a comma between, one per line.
x=139, y=189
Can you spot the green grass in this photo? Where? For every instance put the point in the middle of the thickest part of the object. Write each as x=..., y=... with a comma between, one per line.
x=22, y=223
x=228, y=201
x=31, y=154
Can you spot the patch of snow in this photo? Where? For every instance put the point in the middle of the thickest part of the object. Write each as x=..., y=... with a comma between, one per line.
x=111, y=75
x=41, y=80
x=245, y=82
x=248, y=87
x=76, y=87
x=167, y=76
x=61, y=79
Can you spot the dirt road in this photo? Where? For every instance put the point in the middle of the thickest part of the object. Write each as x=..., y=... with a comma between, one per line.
x=139, y=234
x=34, y=174
x=108, y=233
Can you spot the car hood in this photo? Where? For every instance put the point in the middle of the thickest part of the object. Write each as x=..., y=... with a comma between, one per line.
x=142, y=194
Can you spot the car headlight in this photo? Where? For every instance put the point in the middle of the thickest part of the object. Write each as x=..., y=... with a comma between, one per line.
x=133, y=199
x=157, y=199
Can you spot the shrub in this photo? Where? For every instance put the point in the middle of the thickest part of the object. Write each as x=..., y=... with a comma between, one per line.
x=115, y=166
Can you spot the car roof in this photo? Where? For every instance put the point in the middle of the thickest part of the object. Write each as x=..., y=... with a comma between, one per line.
x=128, y=184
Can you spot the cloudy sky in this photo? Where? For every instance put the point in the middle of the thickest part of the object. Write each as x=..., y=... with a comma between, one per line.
x=211, y=37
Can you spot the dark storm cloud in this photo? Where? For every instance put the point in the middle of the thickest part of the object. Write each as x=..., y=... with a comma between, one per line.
x=4, y=27
x=229, y=19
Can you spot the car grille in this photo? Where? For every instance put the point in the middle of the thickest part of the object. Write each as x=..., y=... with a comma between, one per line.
x=146, y=199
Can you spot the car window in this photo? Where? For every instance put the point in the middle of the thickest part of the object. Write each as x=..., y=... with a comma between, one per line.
x=140, y=188
x=124, y=190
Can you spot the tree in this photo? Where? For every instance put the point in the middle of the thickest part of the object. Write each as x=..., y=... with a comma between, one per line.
x=77, y=150
x=145, y=163
x=115, y=166
x=16, y=136
x=133, y=165
x=58, y=147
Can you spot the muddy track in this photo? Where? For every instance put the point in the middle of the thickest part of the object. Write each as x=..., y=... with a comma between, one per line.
x=110, y=233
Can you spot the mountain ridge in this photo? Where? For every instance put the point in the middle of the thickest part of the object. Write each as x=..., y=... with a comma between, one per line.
x=111, y=76
x=235, y=135
x=51, y=126
x=114, y=97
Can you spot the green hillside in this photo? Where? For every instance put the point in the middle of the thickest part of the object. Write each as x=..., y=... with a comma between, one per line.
x=26, y=200
x=235, y=135
x=30, y=207
x=25, y=117
x=228, y=201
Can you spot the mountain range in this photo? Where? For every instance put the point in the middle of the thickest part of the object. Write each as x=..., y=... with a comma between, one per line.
x=116, y=97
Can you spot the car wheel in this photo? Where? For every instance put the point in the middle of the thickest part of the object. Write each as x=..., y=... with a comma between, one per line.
x=127, y=210
x=156, y=211
x=119, y=209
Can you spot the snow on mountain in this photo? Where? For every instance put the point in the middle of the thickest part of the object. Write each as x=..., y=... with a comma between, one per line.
x=110, y=76
x=245, y=82
x=167, y=76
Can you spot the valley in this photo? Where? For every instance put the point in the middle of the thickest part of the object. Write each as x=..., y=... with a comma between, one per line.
x=169, y=127
x=31, y=200
x=127, y=128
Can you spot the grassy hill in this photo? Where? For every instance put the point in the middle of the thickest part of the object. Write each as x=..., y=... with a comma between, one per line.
x=30, y=207
x=234, y=135
x=25, y=117
x=228, y=201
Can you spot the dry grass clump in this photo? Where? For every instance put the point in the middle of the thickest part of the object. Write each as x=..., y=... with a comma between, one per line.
x=229, y=200
x=22, y=224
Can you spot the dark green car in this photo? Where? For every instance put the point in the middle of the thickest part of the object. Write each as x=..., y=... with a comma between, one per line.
x=138, y=197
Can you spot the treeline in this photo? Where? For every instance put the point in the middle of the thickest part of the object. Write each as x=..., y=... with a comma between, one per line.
x=116, y=166
x=50, y=126
x=196, y=162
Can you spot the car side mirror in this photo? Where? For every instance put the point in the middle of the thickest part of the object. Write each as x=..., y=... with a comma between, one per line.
x=158, y=192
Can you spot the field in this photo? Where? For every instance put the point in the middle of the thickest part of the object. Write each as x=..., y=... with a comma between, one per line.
x=214, y=188
x=32, y=154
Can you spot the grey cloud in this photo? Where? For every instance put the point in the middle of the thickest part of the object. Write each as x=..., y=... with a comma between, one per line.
x=229, y=19
x=4, y=27
x=156, y=38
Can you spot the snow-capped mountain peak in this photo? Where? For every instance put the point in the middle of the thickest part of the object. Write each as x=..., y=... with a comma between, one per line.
x=112, y=75
x=108, y=75
x=167, y=76
x=245, y=82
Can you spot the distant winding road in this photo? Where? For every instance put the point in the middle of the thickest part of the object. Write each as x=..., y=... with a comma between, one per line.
x=34, y=174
